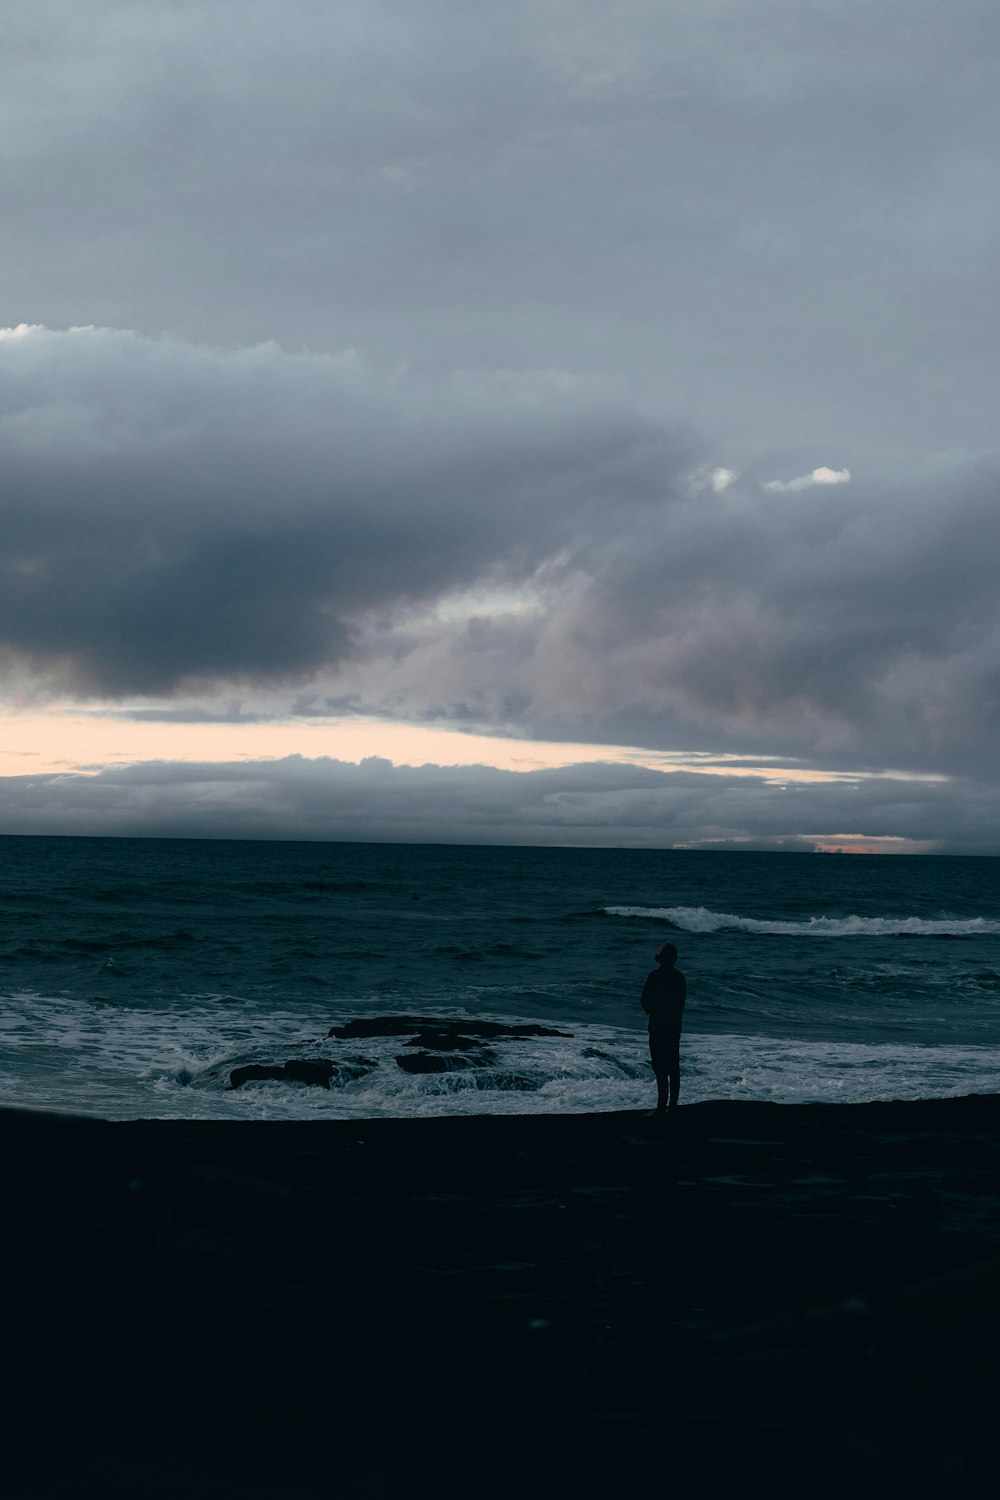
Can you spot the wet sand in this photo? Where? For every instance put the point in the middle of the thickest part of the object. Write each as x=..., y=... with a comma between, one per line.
x=802, y=1298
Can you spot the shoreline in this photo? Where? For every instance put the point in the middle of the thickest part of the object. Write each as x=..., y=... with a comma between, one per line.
x=467, y=1305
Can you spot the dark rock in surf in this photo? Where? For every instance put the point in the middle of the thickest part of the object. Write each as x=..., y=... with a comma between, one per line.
x=430, y=1062
x=255, y=1073
x=424, y=1062
x=321, y=1072
x=399, y=1025
x=442, y=1041
x=296, y=1070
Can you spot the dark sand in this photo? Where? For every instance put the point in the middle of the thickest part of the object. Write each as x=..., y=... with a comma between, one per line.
x=803, y=1300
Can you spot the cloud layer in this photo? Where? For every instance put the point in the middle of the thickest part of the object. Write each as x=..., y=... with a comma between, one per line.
x=593, y=805
x=176, y=514
x=779, y=216
x=524, y=550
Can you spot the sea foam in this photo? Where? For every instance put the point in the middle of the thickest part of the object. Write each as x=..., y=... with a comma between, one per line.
x=701, y=919
x=127, y=1065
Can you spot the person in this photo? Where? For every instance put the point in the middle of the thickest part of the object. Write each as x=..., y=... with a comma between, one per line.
x=663, y=997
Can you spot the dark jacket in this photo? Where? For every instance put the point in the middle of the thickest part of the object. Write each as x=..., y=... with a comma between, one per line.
x=663, y=997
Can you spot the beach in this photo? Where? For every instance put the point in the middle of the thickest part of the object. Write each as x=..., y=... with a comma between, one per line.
x=805, y=1297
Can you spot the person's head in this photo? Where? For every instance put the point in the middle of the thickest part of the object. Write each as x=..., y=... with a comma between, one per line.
x=666, y=955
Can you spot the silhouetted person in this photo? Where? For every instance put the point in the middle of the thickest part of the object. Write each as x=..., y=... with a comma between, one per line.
x=663, y=997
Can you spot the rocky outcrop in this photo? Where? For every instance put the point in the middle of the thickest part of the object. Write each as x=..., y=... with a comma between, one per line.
x=439, y=1045
x=442, y=1028
x=321, y=1071
x=443, y=1041
x=445, y=1046
x=429, y=1062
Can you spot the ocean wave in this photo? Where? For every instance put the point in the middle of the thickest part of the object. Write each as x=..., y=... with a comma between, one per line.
x=701, y=919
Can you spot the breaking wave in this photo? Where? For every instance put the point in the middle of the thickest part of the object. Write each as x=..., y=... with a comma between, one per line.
x=701, y=919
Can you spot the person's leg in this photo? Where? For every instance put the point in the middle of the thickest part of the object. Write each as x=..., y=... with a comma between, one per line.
x=674, y=1077
x=661, y=1068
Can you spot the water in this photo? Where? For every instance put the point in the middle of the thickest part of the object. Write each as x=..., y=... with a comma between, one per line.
x=136, y=974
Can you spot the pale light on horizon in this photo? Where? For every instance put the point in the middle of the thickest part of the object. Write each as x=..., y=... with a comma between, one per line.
x=74, y=739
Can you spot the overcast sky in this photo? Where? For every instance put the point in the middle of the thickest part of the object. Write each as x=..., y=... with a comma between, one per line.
x=613, y=377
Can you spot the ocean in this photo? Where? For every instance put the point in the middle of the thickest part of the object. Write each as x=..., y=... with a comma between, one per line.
x=137, y=976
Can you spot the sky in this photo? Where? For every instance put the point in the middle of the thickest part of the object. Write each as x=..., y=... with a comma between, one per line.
x=547, y=423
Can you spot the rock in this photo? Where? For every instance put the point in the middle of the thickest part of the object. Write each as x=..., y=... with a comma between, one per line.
x=296, y=1070
x=426, y=1062
x=442, y=1041
x=379, y=1026
x=430, y=1062
x=399, y=1025
x=319, y=1071
x=255, y=1073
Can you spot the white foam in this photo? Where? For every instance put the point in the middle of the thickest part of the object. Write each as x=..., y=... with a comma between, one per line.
x=701, y=919
x=127, y=1063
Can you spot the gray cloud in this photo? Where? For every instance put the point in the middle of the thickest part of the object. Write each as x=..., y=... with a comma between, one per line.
x=855, y=626
x=778, y=218
x=174, y=513
x=591, y=805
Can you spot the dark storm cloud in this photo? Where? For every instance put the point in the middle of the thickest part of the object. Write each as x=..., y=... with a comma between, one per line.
x=778, y=215
x=172, y=513
x=599, y=805
x=856, y=625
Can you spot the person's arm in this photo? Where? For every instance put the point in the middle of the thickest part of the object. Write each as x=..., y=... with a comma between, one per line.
x=647, y=993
